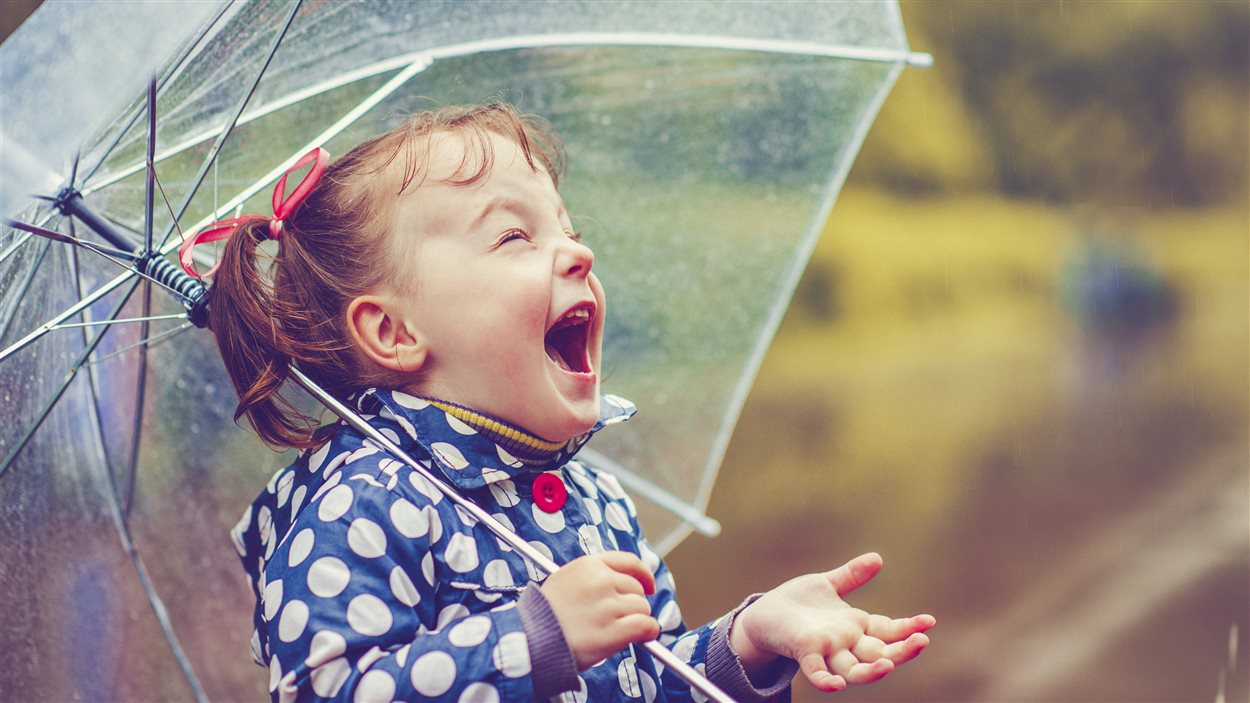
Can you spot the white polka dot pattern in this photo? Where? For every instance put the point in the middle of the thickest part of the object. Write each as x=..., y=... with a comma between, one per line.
x=294, y=618
x=368, y=615
x=433, y=674
x=366, y=539
x=511, y=655
x=328, y=576
x=479, y=692
x=374, y=588
x=326, y=645
x=375, y=687
x=328, y=678
x=335, y=504
x=469, y=632
x=408, y=519
x=402, y=587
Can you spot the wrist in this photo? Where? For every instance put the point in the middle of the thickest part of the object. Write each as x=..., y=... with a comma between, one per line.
x=755, y=661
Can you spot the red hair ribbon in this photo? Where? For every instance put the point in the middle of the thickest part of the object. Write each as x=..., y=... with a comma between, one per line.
x=283, y=207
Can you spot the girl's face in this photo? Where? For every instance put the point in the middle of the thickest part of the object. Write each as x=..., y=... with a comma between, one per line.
x=502, y=293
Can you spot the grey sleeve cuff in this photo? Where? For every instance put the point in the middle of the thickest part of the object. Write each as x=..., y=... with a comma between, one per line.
x=552, y=665
x=724, y=668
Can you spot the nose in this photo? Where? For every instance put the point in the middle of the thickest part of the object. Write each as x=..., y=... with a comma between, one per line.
x=574, y=259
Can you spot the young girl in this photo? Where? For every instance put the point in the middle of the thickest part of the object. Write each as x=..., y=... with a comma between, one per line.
x=431, y=277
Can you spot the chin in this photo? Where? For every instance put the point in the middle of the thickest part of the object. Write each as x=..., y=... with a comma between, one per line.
x=576, y=421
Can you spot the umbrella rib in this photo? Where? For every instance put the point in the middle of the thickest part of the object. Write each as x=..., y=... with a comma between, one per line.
x=798, y=263
x=53, y=235
x=639, y=486
x=24, y=287
x=230, y=125
x=15, y=246
x=148, y=195
x=395, y=83
x=69, y=377
x=262, y=111
x=534, y=41
x=146, y=343
x=174, y=69
x=120, y=523
x=121, y=513
x=140, y=399
x=158, y=606
x=120, y=320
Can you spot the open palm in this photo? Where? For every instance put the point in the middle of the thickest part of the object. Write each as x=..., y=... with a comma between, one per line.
x=807, y=620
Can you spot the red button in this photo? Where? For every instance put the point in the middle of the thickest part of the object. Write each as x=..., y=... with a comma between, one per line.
x=549, y=493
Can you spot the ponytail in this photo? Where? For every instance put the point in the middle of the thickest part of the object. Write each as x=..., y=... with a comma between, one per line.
x=257, y=350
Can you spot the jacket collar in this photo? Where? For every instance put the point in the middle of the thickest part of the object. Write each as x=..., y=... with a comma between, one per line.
x=473, y=450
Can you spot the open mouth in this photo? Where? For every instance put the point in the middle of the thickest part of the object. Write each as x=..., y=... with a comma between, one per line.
x=567, y=341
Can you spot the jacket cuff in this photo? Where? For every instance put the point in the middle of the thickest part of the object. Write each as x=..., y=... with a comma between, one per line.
x=724, y=667
x=553, y=668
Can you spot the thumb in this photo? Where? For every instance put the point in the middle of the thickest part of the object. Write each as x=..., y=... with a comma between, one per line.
x=854, y=573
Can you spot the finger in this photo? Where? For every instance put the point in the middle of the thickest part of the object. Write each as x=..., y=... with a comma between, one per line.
x=632, y=604
x=869, y=649
x=630, y=565
x=854, y=573
x=905, y=651
x=897, y=629
x=627, y=584
x=817, y=672
x=856, y=672
x=637, y=628
x=842, y=662
x=862, y=673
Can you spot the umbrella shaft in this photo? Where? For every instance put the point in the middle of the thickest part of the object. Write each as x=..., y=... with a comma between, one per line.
x=70, y=202
x=537, y=558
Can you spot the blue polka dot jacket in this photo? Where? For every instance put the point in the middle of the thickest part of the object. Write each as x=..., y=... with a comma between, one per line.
x=371, y=586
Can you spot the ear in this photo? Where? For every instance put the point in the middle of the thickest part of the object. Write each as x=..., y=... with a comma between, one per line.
x=384, y=335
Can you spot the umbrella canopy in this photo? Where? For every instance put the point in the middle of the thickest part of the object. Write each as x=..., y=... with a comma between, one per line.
x=707, y=144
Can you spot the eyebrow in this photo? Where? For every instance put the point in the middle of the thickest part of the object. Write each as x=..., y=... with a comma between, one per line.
x=510, y=205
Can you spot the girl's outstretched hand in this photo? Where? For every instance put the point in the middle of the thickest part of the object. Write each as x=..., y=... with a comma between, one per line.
x=805, y=619
x=600, y=602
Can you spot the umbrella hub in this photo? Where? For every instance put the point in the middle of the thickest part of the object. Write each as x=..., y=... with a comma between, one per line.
x=190, y=292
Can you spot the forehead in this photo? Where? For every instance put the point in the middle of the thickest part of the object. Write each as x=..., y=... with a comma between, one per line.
x=440, y=198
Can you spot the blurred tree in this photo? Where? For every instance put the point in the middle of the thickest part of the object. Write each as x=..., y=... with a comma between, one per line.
x=1109, y=102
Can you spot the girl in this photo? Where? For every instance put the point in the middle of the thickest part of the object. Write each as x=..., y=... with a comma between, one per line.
x=432, y=277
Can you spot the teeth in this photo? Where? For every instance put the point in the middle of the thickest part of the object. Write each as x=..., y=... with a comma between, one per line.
x=572, y=317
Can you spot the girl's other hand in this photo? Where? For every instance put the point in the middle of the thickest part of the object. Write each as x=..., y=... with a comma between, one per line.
x=600, y=602
x=805, y=619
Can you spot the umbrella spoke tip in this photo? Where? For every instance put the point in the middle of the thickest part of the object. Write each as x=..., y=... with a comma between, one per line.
x=920, y=59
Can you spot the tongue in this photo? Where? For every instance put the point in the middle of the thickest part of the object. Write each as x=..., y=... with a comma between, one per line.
x=554, y=355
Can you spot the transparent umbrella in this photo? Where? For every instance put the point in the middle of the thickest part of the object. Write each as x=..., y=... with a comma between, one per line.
x=707, y=142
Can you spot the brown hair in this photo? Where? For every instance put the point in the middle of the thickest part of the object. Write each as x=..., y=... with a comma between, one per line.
x=268, y=313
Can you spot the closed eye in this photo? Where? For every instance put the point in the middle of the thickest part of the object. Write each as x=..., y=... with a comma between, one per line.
x=575, y=235
x=511, y=235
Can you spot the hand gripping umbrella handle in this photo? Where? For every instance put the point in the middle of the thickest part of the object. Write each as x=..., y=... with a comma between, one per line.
x=537, y=558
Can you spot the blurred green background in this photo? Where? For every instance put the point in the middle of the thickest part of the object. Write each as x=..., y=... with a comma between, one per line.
x=1017, y=365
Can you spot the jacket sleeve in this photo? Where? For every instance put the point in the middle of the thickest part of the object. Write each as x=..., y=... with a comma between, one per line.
x=705, y=648
x=350, y=610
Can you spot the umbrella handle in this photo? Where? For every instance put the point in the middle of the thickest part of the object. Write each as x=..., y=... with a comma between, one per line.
x=537, y=558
